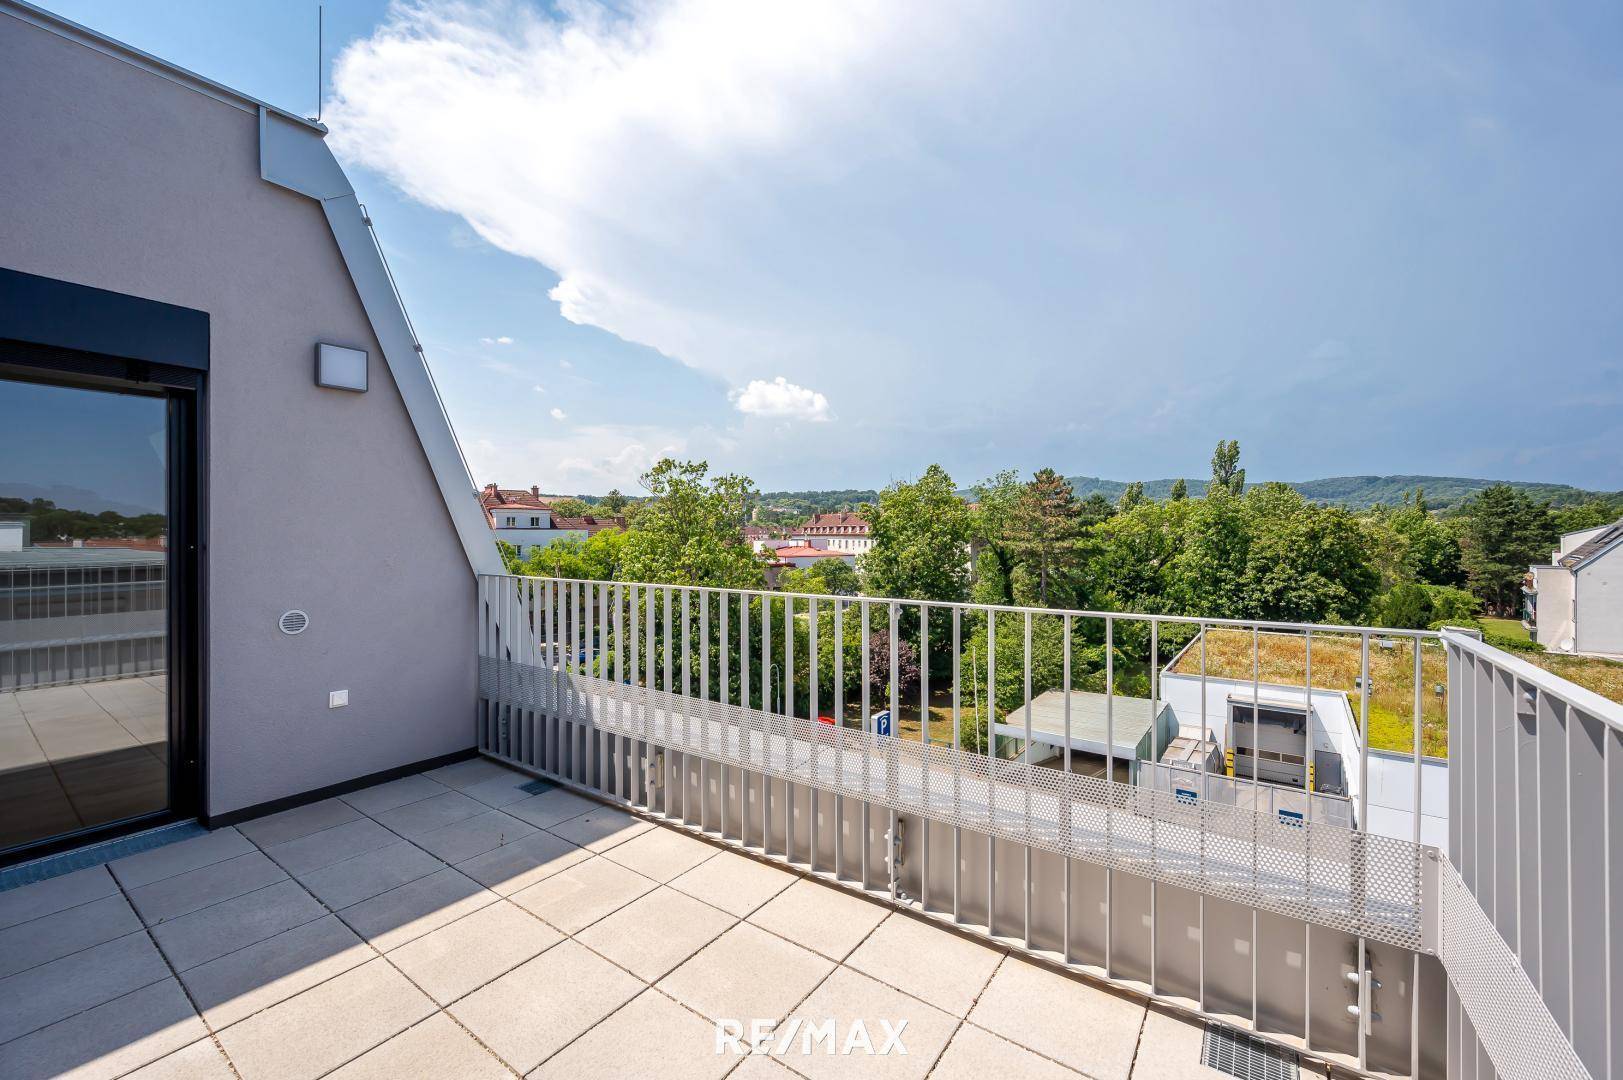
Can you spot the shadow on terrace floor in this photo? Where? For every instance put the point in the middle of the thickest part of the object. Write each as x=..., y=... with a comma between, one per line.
x=471, y=922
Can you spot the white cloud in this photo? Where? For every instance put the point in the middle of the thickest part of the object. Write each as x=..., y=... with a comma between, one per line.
x=538, y=388
x=647, y=153
x=565, y=364
x=559, y=414
x=780, y=398
x=958, y=216
x=503, y=340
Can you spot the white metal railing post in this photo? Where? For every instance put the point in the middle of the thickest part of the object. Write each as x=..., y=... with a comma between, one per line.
x=814, y=663
x=839, y=736
x=889, y=744
x=991, y=769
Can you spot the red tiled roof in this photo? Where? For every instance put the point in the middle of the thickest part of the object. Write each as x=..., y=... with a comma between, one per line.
x=134, y=543
x=844, y=522
x=589, y=522
x=806, y=551
x=493, y=498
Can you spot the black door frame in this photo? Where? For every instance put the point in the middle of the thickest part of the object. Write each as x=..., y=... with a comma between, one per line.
x=73, y=335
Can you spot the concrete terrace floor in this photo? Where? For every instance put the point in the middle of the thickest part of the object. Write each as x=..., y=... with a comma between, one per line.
x=81, y=755
x=452, y=924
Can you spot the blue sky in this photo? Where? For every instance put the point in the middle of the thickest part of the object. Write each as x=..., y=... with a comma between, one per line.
x=825, y=245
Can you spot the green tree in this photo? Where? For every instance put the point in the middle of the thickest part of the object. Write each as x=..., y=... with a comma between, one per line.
x=1305, y=563
x=1210, y=574
x=689, y=530
x=1268, y=555
x=598, y=557
x=1589, y=515
x=1452, y=606
x=996, y=502
x=47, y=521
x=1412, y=545
x=1180, y=490
x=1227, y=476
x=1043, y=530
x=830, y=577
x=1131, y=495
x=1095, y=509
x=920, y=535
x=1407, y=607
x=1132, y=557
x=992, y=583
x=1505, y=532
x=613, y=502
x=570, y=508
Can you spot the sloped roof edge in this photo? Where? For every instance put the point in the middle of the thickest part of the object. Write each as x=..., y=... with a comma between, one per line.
x=84, y=35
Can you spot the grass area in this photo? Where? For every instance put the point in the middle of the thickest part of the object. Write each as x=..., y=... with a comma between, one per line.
x=908, y=725
x=1510, y=628
x=1604, y=677
x=1281, y=660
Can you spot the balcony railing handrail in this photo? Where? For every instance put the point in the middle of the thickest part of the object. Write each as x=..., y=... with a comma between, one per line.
x=1197, y=621
x=1547, y=682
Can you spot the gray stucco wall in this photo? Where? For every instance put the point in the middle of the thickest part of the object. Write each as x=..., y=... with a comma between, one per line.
x=114, y=177
x=1600, y=605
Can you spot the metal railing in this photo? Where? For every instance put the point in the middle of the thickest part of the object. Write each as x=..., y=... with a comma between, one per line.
x=699, y=687
x=1529, y=931
x=743, y=713
x=64, y=624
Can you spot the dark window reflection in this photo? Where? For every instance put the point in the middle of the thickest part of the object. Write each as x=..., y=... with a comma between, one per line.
x=84, y=715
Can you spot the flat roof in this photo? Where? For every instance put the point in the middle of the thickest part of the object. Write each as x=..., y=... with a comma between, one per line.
x=1094, y=717
x=58, y=558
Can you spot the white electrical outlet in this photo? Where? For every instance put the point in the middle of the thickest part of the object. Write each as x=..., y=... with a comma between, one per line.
x=338, y=699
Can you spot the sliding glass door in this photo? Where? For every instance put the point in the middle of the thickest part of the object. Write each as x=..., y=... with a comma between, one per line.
x=87, y=576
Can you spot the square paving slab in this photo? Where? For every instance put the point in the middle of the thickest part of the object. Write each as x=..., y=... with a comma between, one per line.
x=450, y=924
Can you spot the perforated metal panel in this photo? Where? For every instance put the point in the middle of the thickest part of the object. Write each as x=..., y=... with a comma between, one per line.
x=1511, y=1020
x=1356, y=882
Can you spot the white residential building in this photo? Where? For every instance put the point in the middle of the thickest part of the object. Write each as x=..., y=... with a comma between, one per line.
x=525, y=519
x=844, y=532
x=1575, y=604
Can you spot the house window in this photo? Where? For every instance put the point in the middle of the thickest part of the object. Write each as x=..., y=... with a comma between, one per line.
x=511, y=522
x=535, y=523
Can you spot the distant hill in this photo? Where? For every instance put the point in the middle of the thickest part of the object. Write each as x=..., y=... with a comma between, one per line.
x=68, y=497
x=819, y=501
x=1353, y=492
x=1359, y=492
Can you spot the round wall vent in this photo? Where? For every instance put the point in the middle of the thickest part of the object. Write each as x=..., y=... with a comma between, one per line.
x=293, y=622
